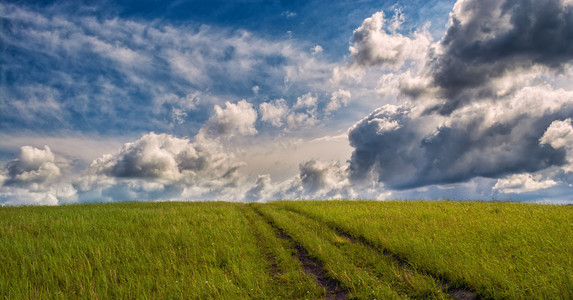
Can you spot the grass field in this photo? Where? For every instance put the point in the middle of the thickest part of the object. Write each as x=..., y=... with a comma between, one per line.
x=288, y=250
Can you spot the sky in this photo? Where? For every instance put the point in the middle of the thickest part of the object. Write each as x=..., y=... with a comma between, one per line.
x=254, y=101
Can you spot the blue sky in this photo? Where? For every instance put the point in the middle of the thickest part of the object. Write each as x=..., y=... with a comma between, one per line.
x=263, y=100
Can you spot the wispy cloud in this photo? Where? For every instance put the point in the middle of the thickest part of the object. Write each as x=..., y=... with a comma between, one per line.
x=104, y=74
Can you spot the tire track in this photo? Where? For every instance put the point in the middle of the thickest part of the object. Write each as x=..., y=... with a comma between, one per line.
x=271, y=260
x=311, y=266
x=458, y=293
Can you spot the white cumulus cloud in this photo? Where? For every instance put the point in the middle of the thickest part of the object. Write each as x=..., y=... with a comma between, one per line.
x=32, y=168
x=34, y=178
x=522, y=183
x=376, y=43
x=338, y=99
x=274, y=112
x=559, y=135
x=161, y=166
x=234, y=119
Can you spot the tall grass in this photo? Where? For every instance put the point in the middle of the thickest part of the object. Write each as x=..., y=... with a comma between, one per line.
x=228, y=251
x=135, y=250
x=501, y=250
x=364, y=272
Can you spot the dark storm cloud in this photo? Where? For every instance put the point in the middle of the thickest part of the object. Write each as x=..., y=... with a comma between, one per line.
x=405, y=148
x=483, y=102
x=382, y=143
x=487, y=39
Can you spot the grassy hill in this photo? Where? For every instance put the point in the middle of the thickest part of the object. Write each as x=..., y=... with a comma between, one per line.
x=292, y=250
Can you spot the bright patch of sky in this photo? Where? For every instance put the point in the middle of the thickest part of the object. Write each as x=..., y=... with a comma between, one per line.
x=263, y=100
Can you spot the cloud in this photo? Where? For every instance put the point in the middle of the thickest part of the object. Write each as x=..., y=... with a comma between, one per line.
x=14, y=196
x=403, y=147
x=179, y=106
x=374, y=45
x=274, y=112
x=303, y=113
x=32, y=168
x=305, y=101
x=164, y=167
x=280, y=156
x=256, y=89
x=261, y=191
x=317, y=49
x=322, y=179
x=488, y=40
x=234, y=119
x=78, y=149
x=316, y=180
x=33, y=178
x=161, y=166
x=301, y=119
x=482, y=104
x=559, y=135
x=69, y=66
x=522, y=183
x=338, y=99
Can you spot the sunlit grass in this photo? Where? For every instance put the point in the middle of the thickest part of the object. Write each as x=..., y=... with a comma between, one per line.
x=501, y=250
x=229, y=251
x=364, y=272
x=135, y=250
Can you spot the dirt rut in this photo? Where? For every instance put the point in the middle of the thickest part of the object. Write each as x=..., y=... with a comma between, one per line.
x=311, y=266
x=455, y=293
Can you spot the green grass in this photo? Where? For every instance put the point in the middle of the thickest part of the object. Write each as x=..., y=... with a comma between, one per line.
x=364, y=272
x=138, y=250
x=230, y=251
x=499, y=250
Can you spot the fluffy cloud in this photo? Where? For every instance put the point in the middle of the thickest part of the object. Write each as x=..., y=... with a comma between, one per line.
x=338, y=99
x=375, y=45
x=33, y=177
x=559, y=135
x=164, y=167
x=234, y=119
x=324, y=180
x=404, y=147
x=482, y=104
x=316, y=180
x=488, y=40
x=161, y=166
x=274, y=112
x=305, y=101
x=32, y=168
x=261, y=190
x=522, y=183
x=304, y=112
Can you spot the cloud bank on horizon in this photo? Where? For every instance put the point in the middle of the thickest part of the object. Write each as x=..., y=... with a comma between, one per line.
x=481, y=110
